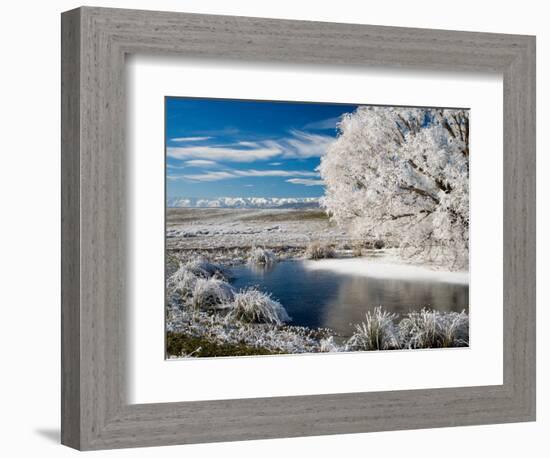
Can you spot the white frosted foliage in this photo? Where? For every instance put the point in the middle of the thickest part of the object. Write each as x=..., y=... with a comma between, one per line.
x=402, y=175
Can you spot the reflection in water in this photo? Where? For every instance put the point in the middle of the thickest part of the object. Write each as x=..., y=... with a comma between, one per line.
x=359, y=294
x=261, y=269
x=325, y=298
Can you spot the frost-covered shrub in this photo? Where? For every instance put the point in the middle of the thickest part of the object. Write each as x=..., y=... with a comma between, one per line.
x=433, y=329
x=253, y=306
x=202, y=268
x=261, y=256
x=378, y=332
x=327, y=345
x=319, y=250
x=182, y=283
x=211, y=294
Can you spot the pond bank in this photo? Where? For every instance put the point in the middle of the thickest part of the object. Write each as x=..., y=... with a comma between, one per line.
x=219, y=332
x=337, y=293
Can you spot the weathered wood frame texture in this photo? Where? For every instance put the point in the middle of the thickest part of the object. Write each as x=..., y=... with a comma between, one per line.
x=95, y=41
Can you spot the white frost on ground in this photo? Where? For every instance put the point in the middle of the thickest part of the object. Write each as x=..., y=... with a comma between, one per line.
x=201, y=242
x=201, y=228
x=387, y=267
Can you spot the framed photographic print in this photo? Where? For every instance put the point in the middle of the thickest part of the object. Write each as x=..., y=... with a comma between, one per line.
x=286, y=228
x=307, y=227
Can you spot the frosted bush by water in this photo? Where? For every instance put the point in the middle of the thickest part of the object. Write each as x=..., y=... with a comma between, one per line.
x=253, y=306
x=319, y=250
x=434, y=329
x=211, y=294
x=423, y=329
x=261, y=256
x=202, y=268
x=328, y=345
x=182, y=283
x=378, y=332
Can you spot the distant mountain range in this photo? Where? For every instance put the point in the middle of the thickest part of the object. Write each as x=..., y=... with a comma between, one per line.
x=244, y=202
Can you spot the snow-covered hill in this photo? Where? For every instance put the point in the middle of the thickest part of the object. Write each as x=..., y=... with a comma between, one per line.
x=245, y=202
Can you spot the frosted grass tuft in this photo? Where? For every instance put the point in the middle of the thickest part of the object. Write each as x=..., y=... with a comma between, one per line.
x=211, y=294
x=319, y=250
x=182, y=283
x=202, y=268
x=253, y=306
x=434, y=329
x=377, y=332
x=261, y=256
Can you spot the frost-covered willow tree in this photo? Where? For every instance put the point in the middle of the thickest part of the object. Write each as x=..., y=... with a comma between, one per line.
x=402, y=174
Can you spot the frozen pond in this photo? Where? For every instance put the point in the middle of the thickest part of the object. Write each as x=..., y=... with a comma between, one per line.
x=337, y=292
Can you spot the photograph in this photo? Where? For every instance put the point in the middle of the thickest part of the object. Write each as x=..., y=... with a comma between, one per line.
x=300, y=227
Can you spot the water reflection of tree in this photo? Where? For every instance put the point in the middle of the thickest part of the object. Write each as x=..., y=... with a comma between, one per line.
x=261, y=269
x=358, y=295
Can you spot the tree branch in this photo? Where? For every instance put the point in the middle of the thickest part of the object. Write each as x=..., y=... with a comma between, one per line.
x=438, y=182
x=420, y=192
x=407, y=215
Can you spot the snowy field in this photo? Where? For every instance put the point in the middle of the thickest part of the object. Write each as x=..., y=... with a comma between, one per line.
x=224, y=230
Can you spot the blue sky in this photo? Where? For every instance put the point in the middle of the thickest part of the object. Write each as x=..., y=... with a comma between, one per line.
x=235, y=148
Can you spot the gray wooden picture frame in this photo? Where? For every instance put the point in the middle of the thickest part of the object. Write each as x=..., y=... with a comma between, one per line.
x=95, y=413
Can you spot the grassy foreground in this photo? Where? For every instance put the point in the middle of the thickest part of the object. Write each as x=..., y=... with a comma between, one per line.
x=179, y=343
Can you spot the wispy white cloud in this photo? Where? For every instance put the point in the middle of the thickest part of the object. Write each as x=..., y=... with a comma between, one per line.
x=200, y=163
x=207, y=176
x=274, y=173
x=189, y=139
x=193, y=163
x=248, y=144
x=324, y=124
x=217, y=175
x=298, y=144
x=221, y=153
x=306, y=181
x=174, y=167
x=301, y=145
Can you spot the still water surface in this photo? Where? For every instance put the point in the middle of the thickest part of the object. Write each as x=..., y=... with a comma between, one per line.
x=338, y=293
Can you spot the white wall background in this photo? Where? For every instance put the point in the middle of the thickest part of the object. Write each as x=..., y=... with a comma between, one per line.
x=29, y=228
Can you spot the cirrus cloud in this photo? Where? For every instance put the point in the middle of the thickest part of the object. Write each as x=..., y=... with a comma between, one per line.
x=306, y=181
x=223, y=153
x=298, y=145
x=201, y=163
x=324, y=124
x=189, y=139
x=217, y=175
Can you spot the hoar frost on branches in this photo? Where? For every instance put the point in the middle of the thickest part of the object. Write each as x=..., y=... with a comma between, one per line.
x=403, y=174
